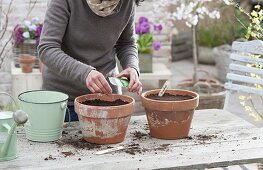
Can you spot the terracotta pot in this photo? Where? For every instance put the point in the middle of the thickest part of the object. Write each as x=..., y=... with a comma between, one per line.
x=104, y=124
x=170, y=119
x=27, y=62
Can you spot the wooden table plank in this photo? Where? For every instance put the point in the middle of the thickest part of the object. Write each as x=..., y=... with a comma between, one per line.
x=232, y=141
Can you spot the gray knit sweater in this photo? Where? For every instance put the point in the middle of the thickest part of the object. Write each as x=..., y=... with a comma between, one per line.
x=75, y=41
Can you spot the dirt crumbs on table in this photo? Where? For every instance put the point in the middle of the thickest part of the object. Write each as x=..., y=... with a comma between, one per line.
x=204, y=138
x=201, y=138
x=163, y=147
x=66, y=154
x=137, y=135
x=50, y=157
x=77, y=143
x=135, y=148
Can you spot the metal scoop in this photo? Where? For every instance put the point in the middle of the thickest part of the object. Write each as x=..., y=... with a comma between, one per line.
x=20, y=117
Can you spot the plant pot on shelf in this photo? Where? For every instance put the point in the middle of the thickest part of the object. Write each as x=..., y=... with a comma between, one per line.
x=104, y=119
x=26, y=47
x=146, y=63
x=27, y=62
x=169, y=116
x=206, y=55
x=222, y=60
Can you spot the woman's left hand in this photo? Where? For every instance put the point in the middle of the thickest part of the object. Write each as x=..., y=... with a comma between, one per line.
x=135, y=84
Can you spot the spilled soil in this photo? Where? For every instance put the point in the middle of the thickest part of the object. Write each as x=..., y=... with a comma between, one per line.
x=206, y=137
x=66, y=154
x=202, y=139
x=169, y=97
x=50, y=157
x=137, y=135
x=135, y=148
x=98, y=102
x=77, y=143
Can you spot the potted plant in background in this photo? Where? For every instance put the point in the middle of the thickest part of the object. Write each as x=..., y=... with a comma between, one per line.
x=211, y=92
x=219, y=32
x=249, y=57
x=26, y=37
x=27, y=62
x=231, y=31
x=145, y=31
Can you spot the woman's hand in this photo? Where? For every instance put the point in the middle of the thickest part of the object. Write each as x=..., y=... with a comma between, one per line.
x=135, y=84
x=97, y=83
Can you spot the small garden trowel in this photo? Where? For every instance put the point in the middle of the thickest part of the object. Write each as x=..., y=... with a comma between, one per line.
x=121, y=82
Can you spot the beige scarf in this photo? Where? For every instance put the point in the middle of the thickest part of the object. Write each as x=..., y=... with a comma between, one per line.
x=103, y=7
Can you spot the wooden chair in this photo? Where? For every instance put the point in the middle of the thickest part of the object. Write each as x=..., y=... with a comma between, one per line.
x=245, y=82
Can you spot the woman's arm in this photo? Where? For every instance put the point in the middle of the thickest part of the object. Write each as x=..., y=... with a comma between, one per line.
x=127, y=53
x=126, y=46
x=49, y=49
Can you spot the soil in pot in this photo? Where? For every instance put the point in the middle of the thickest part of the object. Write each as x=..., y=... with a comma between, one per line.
x=170, y=116
x=169, y=97
x=104, y=119
x=98, y=102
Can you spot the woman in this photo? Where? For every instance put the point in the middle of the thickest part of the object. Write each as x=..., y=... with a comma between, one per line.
x=79, y=42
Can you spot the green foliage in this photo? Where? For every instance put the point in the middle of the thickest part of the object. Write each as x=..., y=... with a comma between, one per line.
x=255, y=30
x=223, y=31
x=145, y=43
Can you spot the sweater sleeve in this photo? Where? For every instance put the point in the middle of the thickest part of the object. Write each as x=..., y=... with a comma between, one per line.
x=126, y=46
x=49, y=48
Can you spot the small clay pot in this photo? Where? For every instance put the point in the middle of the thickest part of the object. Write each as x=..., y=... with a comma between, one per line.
x=170, y=119
x=27, y=62
x=104, y=124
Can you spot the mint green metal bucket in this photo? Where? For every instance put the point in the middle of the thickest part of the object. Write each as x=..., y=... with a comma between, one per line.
x=46, y=112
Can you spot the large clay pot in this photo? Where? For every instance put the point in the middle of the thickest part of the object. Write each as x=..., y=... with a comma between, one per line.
x=222, y=60
x=104, y=124
x=170, y=119
x=27, y=62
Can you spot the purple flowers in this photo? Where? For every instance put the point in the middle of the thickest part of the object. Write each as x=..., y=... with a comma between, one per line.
x=158, y=28
x=143, y=29
x=156, y=46
x=27, y=30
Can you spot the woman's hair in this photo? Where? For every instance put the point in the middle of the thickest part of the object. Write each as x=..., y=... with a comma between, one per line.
x=138, y=2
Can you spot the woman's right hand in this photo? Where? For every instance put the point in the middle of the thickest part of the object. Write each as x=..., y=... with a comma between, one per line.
x=97, y=83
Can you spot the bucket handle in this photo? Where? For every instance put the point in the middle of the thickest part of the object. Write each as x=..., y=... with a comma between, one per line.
x=16, y=104
x=64, y=106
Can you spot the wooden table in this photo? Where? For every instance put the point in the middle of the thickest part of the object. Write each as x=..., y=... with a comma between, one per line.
x=160, y=73
x=229, y=140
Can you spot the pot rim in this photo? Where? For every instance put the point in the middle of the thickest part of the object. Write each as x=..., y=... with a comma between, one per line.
x=104, y=107
x=31, y=91
x=143, y=95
